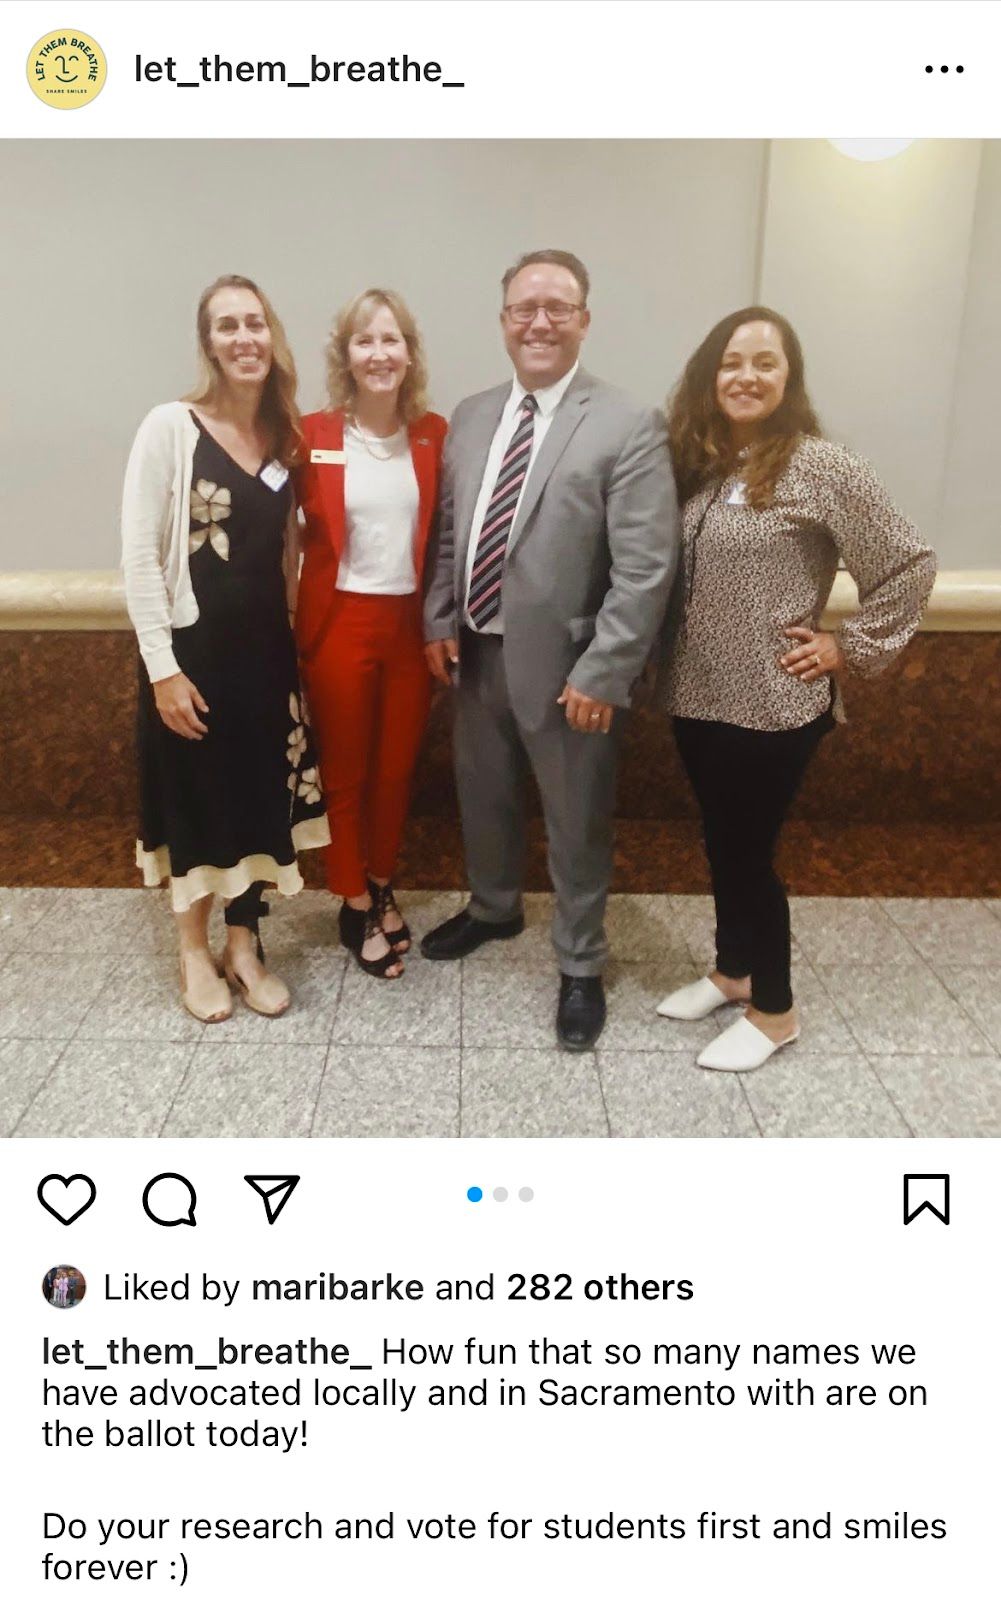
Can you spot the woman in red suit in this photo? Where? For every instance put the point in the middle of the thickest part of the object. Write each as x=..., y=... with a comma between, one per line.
x=367, y=487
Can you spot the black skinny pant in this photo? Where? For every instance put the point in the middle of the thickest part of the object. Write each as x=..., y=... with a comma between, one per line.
x=744, y=780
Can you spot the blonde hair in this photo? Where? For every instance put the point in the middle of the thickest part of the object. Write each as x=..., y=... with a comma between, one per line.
x=412, y=400
x=279, y=411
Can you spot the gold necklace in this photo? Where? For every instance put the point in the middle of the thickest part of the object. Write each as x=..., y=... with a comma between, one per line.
x=367, y=438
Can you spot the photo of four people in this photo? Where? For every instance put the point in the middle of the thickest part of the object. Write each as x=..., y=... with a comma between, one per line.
x=524, y=577
x=555, y=543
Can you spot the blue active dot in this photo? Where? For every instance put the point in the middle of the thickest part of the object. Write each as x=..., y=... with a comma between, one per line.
x=474, y=1193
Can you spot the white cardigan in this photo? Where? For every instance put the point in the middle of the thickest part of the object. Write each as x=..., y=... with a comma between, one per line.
x=155, y=526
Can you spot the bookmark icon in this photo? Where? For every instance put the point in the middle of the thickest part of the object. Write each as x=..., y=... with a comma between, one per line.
x=926, y=1191
x=274, y=1191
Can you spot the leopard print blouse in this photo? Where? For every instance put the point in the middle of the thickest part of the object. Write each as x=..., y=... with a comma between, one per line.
x=747, y=575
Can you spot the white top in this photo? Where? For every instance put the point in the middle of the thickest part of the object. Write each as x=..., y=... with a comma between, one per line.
x=547, y=400
x=155, y=522
x=381, y=502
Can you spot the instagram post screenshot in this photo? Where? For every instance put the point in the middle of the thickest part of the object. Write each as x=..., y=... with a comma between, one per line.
x=500, y=798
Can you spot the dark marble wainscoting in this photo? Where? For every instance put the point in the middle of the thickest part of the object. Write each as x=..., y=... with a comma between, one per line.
x=906, y=799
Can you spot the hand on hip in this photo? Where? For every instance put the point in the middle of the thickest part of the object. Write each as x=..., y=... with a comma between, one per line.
x=815, y=656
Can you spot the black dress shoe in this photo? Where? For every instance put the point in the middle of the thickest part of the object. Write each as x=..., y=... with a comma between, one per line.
x=462, y=934
x=580, y=1015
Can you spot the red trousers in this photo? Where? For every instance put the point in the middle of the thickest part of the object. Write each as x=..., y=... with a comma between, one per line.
x=369, y=690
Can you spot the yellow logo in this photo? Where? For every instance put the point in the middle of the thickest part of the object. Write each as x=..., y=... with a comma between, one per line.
x=66, y=69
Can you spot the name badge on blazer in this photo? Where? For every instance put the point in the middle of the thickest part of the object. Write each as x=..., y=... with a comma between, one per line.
x=327, y=458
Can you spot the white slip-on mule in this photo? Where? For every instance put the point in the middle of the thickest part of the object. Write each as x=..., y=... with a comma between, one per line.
x=693, y=1001
x=741, y=1047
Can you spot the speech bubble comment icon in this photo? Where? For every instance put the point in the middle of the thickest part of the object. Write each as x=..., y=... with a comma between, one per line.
x=169, y=1200
x=67, y=1198
x=926, y=1191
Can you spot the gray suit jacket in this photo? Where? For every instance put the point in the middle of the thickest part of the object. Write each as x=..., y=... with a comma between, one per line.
x=591, y=555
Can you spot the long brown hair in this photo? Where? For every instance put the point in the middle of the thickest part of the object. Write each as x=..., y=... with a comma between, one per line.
x=702, y=445
x=412, y=400
x=279, y=412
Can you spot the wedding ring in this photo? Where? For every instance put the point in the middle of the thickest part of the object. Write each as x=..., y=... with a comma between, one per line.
x=595, y=716
x=816, y=661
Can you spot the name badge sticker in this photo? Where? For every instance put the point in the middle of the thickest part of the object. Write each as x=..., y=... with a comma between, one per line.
x=274, y=475
x=327, y=458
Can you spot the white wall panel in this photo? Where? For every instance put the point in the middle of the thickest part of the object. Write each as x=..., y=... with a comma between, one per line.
x=869, y=261
x=107, y=246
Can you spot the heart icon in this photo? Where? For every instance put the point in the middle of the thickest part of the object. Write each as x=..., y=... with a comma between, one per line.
x=67, y=1198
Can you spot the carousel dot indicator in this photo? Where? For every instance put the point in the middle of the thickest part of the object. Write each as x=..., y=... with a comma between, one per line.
x=474, y=1194
x=526, y=1194
x=500, y=1194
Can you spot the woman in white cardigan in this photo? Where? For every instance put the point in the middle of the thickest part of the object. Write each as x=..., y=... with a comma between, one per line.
x=229, y=788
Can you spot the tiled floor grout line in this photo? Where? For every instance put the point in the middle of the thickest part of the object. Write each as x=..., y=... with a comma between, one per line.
x=930, y=970
x=750, y=1107
x=968, y=900
x=968, y=1014
x=863, y=1048
x=326, y=1054
x=601, y=1091
x=319, y=1090
x=195, y=1047
x=942, y=983
x=109, y=980
x=889, y=1095
x=860, y=1048
x=930, y=989
x=57, y=896
x=51, y=1072
x=833, y=999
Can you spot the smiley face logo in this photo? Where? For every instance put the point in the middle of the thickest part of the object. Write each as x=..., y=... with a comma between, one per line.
x=64, y=76
x=66, y=69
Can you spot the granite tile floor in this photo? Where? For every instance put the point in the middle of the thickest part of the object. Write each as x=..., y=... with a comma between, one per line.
x=899, y=999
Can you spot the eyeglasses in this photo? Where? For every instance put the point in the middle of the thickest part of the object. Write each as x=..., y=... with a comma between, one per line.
x=556, y=310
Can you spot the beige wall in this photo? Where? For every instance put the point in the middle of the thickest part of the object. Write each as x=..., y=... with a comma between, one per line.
x=970, y=497
x=869, y=260
x=891, y=270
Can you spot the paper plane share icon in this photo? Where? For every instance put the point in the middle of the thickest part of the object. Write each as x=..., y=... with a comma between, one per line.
x=274, y=1191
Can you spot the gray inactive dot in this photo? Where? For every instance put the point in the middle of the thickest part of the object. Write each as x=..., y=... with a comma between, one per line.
x=526, y=1194
x=500, y=1194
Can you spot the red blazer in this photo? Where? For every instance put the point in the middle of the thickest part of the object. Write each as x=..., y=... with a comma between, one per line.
x=320, y=492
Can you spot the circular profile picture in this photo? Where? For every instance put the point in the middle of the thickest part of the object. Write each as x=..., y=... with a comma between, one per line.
x=64, y=1287
x=66, y=69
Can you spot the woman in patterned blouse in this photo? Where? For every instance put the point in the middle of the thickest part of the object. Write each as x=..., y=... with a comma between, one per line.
x=769, y=509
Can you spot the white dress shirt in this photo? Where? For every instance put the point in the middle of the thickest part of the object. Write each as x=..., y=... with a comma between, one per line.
x=547, y=400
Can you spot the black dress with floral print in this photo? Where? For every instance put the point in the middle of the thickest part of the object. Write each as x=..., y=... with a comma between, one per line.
x=235, y=806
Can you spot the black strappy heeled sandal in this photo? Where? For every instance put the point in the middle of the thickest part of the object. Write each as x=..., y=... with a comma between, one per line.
x=356, y=926
x=384, y=900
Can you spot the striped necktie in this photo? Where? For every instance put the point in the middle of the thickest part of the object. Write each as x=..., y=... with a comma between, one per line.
x=484, y=598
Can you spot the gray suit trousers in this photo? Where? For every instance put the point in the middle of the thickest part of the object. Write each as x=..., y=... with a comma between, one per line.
x=575, y=773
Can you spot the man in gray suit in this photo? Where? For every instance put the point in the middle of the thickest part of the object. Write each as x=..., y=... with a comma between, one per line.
x=555, y=550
